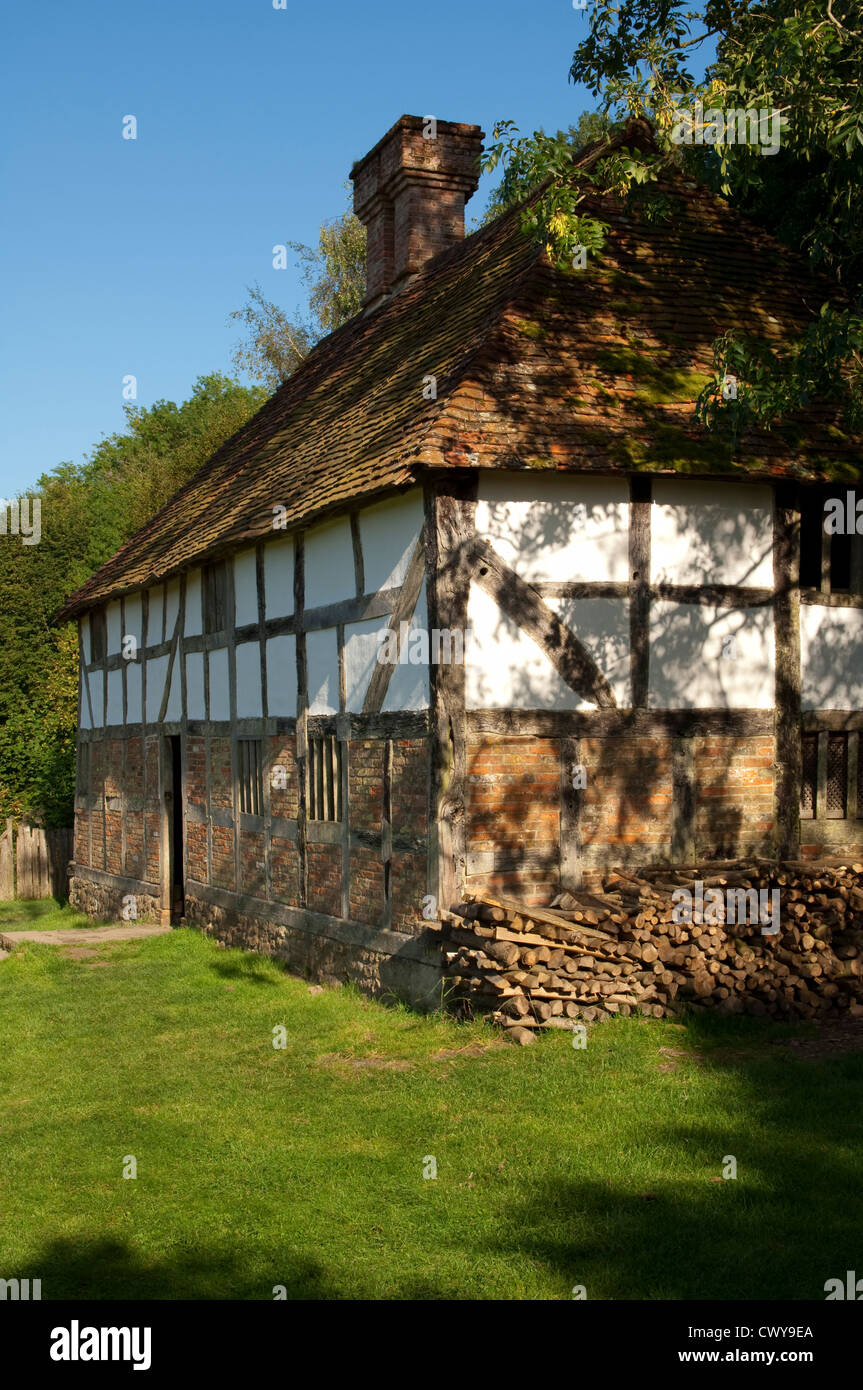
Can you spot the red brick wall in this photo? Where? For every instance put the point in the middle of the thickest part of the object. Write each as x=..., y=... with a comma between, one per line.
x=253, y=876
x=281, y=751
x=626, y=805
x=195, y=771
x=152, y=830
x=513, y=809
x=284, y=872
x=325, y=878
x=134, y=862
x=221, y=776
x=408, y=887
x=97, y=815
x=223, y=856
x=196, y=850
x=734, y=796
x=367, y=885
x=81, y=851
x=366, y=783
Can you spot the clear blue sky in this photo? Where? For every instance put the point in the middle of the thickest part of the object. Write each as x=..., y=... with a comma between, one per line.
x=121, y=256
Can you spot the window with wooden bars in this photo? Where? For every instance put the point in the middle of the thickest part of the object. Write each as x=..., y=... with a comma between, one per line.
x=830, y=771
x=830, y=564
x=324, y=779
x=214, y=597
x=250, y=776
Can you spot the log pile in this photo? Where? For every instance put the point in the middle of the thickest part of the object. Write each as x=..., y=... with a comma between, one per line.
x=630, y=949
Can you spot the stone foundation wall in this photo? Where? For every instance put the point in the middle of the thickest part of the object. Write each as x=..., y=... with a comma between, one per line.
x=381, y=963
x=105, y=900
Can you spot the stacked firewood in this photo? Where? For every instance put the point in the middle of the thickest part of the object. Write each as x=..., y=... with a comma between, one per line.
x=630, y=949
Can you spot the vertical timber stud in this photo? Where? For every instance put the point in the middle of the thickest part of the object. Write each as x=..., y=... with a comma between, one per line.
x=166, y=811
x=302, y=714
x=786, y=627
x=570, y=812
x=683, y=801
x=450, y=524
x=387, y=834
x=639, y=589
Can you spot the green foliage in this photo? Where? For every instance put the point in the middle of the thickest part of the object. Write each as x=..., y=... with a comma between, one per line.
x=335, y=272
x=88, y=511
x=798, y=59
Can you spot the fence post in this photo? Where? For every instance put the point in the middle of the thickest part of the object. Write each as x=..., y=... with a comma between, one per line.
x=7, y=864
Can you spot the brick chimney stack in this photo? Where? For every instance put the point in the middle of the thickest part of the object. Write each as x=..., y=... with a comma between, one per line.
x=410, y=192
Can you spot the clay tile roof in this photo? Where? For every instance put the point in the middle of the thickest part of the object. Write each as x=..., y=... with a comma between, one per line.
x=587, y=370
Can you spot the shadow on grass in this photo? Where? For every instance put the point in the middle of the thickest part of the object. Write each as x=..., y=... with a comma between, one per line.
x=245, y=968
x=789, y=1221
x=110, y=1269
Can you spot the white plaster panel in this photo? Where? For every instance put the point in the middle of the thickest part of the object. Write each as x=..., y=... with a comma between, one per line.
x=688, y=669
x=322, y=659
x=156, y=616
x=115, y=697
x=711, y=533
x=85, y=638
x=195, y=705
x=245, y=587
x=362, y=644
x=220, y=688
x=556, y=527
x=97, y=697
x=172, y=607
x=157, y=670
x=174, y=707
x=85, y=703
x=193, y=625
x=113, y=626
x=279, y=578
x=602, y=626
x=388, y=534
x=249, y=698
x=329, y=564
x=133, y=619
x=831, y=657
x=506, y=667
x=409, y=683
x=282, y=676
x=134, y=708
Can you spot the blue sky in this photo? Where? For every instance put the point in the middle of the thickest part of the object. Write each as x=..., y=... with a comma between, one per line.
x=126, y=257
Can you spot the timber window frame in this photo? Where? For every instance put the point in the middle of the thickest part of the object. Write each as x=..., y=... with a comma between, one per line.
x=829, y=784
x=324, y=778
x=829, y=564
x=250, y=776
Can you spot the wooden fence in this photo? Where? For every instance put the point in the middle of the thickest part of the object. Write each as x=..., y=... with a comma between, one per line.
x=34, y=863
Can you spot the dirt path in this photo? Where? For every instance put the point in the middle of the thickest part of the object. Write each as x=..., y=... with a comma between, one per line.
x=81, y=936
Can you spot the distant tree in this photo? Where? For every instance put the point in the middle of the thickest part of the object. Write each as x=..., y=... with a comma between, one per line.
x=335, y=273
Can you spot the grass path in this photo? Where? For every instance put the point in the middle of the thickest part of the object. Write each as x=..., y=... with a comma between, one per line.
x=304, y=1166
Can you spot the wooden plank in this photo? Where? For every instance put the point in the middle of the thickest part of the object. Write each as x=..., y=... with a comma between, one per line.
x=450, y=523
x=619, y=722
x=683, y=800
x=24, y=876
x=7, y=863
x=719, y=595
x=402, y=613
x=570, y=817
x=527, y=608
x=639, y=575
x=359, y=567
x=539, y=914
x=786, y=629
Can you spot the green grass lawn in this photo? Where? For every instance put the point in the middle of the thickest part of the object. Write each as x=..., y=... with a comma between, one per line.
x=304, y=1166
x=41, y=914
